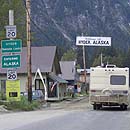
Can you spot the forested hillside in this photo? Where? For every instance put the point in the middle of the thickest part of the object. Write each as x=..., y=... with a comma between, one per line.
x=58, y=22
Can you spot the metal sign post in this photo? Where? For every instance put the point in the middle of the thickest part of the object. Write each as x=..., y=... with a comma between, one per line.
x=10, y=60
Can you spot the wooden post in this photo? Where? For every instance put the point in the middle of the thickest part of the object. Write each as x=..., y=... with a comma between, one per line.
x=84, y=62
x=29, y=70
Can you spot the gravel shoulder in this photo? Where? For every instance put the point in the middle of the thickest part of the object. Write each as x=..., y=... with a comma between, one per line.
x=78, y=103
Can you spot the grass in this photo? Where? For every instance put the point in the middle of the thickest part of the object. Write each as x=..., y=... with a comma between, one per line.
x=22, y=105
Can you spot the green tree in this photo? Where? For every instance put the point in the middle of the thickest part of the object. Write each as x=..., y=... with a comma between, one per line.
x=70, y=55
x=111, y=56
x=127, y=59
x=80, y=57
x=19, y=17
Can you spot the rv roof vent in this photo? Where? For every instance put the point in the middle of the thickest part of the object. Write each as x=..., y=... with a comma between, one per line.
x=110, y=66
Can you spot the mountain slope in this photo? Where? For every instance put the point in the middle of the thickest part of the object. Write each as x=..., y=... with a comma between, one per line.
x=58, y=22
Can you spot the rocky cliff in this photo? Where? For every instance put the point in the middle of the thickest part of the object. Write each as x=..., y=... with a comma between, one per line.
x=58, y=22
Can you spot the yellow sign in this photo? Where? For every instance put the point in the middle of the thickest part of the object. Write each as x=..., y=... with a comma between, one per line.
x=13, y=90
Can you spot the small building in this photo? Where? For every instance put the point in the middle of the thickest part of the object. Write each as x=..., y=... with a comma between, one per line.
x=46, y=60
x=58, y=92
x=81, y=76
x=81, y=79
x=68, y=71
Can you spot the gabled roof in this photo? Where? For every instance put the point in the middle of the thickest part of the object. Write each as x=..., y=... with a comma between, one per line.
x=42, y=57
x=67, y=70
x=57, y=78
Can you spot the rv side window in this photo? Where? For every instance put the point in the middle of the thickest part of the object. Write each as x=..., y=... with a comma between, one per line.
x=117, y=80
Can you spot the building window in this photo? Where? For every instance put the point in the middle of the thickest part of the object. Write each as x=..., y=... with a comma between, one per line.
x=39, y=85
x=117, y=80
x=13, y=94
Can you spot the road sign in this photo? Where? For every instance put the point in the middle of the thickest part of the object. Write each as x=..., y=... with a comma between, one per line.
x=93, y=41
x=11, y=31
x=11, y=61
x=11, y=46
x=13, y=90
x=11, y=74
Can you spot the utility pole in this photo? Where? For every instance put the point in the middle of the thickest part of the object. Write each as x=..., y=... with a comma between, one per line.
x=29, y=71
x=101, y=61
x=84, y=62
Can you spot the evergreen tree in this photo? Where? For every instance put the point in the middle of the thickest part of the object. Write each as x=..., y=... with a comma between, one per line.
x=80, y=57
x=19, y=17
x=70, y=55
x=126, y=62
x=109, y=56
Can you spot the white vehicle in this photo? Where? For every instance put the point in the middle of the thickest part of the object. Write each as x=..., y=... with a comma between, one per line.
x=109, y=86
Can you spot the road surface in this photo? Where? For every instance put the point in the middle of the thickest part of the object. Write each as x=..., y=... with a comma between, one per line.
x=65, y=119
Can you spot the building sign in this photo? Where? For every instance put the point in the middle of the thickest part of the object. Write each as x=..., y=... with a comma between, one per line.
x=11, y=61
x=93, y=41
x=13, y=90
x=11, y=46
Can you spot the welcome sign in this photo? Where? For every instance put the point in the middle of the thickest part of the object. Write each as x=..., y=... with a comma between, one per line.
x=93, y=41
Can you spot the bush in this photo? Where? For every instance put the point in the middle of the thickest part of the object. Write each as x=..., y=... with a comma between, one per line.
x=2, y=96
x=22, y=105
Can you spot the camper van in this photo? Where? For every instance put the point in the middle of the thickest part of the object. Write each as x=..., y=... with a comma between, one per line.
x=109, y=86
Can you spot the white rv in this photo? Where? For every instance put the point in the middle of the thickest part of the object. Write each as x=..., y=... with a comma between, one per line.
x=109, y=86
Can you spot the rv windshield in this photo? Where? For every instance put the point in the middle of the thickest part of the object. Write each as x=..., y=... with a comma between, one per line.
x=117, y=80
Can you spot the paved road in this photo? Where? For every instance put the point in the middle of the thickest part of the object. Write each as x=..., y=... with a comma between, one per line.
x=18, y=120
x=106, y=119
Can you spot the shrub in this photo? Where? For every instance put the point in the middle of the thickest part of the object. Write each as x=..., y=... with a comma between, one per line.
x=2, y=96
x=23, y=105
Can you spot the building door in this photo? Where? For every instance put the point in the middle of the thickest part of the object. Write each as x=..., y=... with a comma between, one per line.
x=39, y=85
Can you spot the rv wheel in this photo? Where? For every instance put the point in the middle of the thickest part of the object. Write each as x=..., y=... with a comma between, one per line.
x=97, y=106
x=94, y=106
x=123, y=107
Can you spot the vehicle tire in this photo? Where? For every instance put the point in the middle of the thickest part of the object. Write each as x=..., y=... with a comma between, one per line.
x=123, y=107
x=97, y=106
x=94, y=106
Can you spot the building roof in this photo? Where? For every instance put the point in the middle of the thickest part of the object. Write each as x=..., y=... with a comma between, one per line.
x=57, y=79
x=82, y=70
x=42, y=57
x=67, y=70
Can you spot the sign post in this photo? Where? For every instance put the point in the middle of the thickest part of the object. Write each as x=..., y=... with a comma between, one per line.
x=9, y=47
